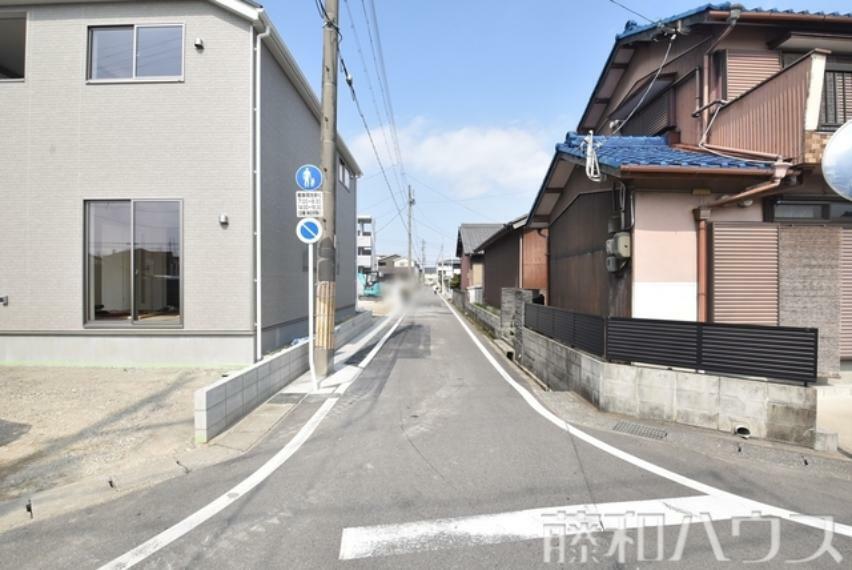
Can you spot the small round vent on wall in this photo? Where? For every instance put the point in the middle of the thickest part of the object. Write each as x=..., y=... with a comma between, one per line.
x=837, y=161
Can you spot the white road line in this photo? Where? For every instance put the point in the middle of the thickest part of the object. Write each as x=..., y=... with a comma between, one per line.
x=349, y=374
x=530, y=524
x=753, y=506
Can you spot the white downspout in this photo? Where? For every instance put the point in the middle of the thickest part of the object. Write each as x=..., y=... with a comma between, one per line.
x=258, y=326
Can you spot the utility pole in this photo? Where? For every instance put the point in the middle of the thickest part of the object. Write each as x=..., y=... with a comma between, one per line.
x=410, y=260
x=326, y=260
x=423, y=256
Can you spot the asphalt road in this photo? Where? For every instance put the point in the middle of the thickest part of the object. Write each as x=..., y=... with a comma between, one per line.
x=430, y=431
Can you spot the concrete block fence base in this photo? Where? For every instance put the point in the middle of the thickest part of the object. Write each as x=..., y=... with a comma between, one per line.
x=765, y=409
x=227, y=401
x=488, y=320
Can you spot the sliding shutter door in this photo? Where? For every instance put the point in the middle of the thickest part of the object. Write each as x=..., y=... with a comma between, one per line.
x=846, y=294
x=744, y=273
x=747, y=68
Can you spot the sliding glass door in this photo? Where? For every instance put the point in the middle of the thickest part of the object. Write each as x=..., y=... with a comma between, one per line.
x=133, y=262
x=108, y=262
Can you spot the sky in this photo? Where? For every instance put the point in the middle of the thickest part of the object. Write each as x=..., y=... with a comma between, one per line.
x=481, y=93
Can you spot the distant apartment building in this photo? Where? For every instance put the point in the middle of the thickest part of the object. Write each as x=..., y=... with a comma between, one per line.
x=149, y=151
x=366, y=260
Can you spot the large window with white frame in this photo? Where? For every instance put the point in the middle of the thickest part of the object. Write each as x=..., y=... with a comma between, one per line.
x=133, y=262
x=13, y=46
x=136, y=53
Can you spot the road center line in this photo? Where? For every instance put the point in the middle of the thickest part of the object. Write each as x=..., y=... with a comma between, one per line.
x=530, y=524
x=350, y=374
x=753, y=506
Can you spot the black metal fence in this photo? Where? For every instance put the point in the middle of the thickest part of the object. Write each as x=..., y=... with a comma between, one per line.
x=586, y=332
x=784, y=353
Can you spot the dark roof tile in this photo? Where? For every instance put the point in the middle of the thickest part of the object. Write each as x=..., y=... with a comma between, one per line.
x=472, y=235
x=618, y=151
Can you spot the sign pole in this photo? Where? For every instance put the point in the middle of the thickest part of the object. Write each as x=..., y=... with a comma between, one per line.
x=311, y=316
x=309, y=232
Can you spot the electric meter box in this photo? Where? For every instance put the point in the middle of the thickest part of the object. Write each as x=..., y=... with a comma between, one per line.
x=619, y=245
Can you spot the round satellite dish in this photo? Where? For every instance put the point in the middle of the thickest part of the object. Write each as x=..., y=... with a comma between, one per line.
x=837, y=161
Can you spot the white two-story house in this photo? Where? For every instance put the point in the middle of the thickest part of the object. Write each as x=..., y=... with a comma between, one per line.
x=147, y=160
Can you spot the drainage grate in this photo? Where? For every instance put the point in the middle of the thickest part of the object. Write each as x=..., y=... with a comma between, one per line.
x=318, y=398
x=286, y=398
x=640, y=430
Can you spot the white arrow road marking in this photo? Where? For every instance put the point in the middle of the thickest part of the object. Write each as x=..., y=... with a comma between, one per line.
x=752, y=506
x=440, y=534
x=349, y=375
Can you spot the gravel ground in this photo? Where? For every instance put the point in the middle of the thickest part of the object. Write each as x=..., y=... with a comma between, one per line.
x=58, y=425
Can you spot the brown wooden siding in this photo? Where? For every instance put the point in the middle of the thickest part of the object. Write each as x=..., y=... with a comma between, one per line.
x=685, y=105
x=745, y=273
x=846, y=294
x=654, y=118
x=769, y=118
x=747, y=68
x=686, y=55
x=579, y=280
x=501, y=267
x=465, y=272
x=534, y=259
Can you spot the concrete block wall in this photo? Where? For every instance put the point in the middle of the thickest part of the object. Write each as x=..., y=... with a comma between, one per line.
x=227, y=401
x=809, y=287
x=781, y=412
x=512, y=301
x=488, y=320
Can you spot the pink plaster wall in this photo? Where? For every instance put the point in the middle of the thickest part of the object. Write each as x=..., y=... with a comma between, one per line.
x=664, y=237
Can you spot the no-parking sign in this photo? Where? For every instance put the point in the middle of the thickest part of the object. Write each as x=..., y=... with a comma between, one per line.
x=309, y=230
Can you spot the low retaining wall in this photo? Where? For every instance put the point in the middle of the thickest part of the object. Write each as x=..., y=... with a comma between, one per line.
x=488, y=320
x=227, y=401
x=770, y=410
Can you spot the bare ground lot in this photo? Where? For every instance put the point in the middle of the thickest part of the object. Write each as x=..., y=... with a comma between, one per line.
x=59, y=425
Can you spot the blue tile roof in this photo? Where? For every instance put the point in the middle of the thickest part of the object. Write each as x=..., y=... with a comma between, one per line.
x=615, y=152
x=632, y=28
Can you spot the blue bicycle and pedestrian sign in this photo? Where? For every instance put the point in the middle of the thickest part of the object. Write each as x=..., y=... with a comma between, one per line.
x=309, y=177
x=309, y=230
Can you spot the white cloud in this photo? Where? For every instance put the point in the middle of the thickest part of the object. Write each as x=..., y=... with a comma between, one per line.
x=467, y=161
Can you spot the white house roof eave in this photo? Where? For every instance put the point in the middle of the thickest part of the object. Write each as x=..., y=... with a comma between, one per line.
x=248, y=10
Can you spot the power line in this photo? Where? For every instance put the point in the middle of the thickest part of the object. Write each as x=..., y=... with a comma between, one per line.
x=392, y=220
x=634, y=12
x=384, y=86
x=327, y=21
x=477, y=198
x=455, y=200
x=349, y=82
x=381, y=89
x=372, y=91
x=650, y=86
x=440, y=232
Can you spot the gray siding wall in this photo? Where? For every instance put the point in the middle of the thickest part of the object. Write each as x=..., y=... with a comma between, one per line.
x=64, y=141
x=290, y=135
